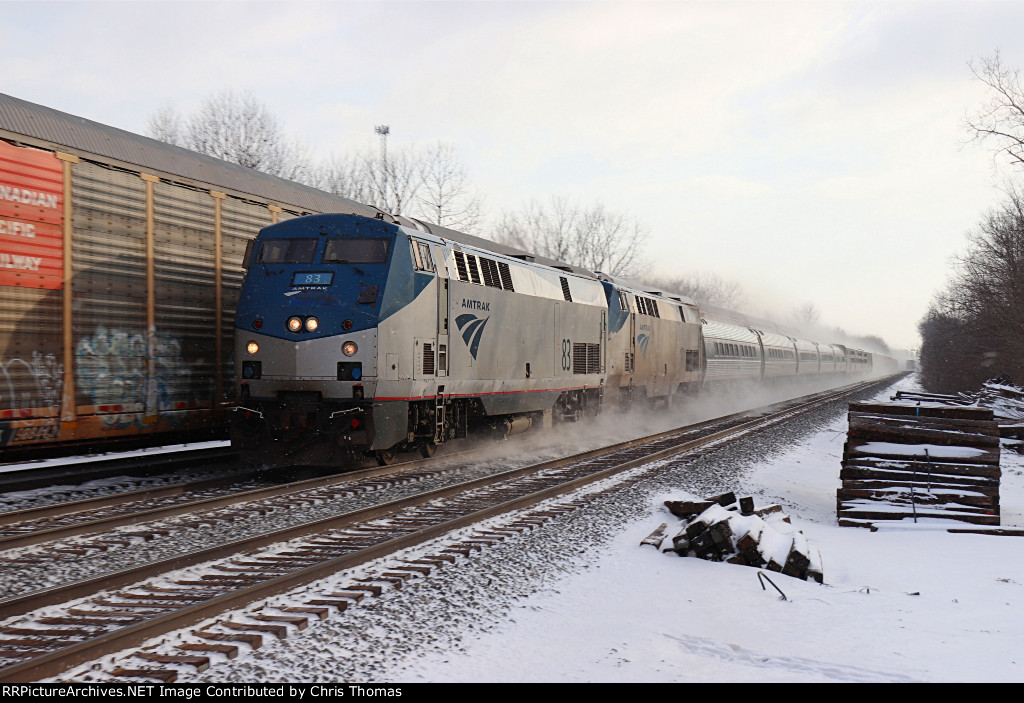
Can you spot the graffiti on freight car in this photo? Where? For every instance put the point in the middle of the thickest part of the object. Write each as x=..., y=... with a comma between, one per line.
x=112, y=367
x=27, y=385
x=29, y=388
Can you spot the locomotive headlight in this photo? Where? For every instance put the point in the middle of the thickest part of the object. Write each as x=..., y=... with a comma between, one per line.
x=294, y=324
x=311, y=324
x=252, y=347
x=349, y=348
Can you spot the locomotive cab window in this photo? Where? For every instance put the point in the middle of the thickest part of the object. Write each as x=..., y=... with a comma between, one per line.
x=286, y=251
x=356, y=251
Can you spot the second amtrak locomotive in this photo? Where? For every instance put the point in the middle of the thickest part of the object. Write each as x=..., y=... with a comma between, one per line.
x=358, y=334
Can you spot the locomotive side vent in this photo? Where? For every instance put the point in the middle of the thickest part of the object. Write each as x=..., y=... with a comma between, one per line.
x=490, y=271
x=506, y=276
x=586, y=358
x=593, y=358
x=460, y=264
x=579, y=357
x=474, y=271
x=565, y=288
x=428, y=359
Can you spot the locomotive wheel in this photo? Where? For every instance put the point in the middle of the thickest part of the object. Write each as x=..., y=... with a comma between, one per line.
x=428, y=450
x=386, y=457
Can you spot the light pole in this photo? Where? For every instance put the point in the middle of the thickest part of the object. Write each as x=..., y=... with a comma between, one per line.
x=383, y=130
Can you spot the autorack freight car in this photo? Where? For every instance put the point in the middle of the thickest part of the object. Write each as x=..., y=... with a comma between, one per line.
x=120, y=265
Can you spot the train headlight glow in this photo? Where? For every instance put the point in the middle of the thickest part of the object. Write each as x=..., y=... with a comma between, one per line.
x=252, y=347
x=311, y=324
x=294, y=324
x=349, y=348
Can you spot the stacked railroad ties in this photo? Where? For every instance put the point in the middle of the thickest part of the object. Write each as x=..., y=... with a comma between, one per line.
x=922, y=457
x=720, y=528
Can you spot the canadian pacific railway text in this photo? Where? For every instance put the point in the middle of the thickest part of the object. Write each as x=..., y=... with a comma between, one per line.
x=17, y=229
x=22, y=263
x=28, y=197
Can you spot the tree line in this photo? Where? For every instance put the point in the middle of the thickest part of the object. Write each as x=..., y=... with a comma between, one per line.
x=431, y=184
x=974, y=327
x=427, y=183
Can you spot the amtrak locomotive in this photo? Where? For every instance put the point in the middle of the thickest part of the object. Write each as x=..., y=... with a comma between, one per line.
x=357, y=334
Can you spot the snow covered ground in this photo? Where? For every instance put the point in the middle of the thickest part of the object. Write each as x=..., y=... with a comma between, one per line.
x=911, y=603
x=580, y=600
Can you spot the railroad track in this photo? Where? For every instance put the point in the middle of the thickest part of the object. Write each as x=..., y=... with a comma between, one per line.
x=75, y=473
x=95, y=619
x=59, y=521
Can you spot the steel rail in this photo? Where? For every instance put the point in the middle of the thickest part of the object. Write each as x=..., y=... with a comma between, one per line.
x=141, y=465
x=62, y=659
x=107, y=522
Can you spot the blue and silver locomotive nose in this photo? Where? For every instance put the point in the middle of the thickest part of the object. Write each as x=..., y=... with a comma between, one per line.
x=306, y=323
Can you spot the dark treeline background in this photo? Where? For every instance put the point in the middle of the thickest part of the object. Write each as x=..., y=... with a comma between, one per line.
x=974, y=328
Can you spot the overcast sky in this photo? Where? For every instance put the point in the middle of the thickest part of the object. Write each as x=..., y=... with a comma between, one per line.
x=812, y=151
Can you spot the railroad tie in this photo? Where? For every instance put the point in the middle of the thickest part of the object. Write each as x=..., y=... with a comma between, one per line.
x=352, y=595
x=279, y=631
x=200, y=663
x=228, y=650
x=340, y=603
x=254, y=641
x=162, y=675
x=368, y=586
x=301, y=623
x=319, y=613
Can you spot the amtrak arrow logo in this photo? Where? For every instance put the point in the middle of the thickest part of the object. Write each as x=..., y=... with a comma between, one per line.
x=472, y=328
x=643, y=339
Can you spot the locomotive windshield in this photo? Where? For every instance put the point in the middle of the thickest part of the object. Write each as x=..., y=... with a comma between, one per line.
x=356, y=251
x=286, y=251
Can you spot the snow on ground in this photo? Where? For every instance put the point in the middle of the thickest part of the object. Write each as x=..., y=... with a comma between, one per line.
x=579, y=599
x=913, y=603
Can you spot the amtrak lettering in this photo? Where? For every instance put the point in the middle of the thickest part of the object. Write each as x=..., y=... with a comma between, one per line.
x=472, y=328
x=476, y=305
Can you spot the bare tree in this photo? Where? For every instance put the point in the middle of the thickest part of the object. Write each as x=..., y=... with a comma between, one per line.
x=344, y=176
x=593, y=238
x=974, y=329
x=393, y=181
x=705, y=288
x=238, y=129
x=1001, y=118
x=165, y=125
x=807, y=317
x=608, y=241
x=445, y=197
x=544, y=231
